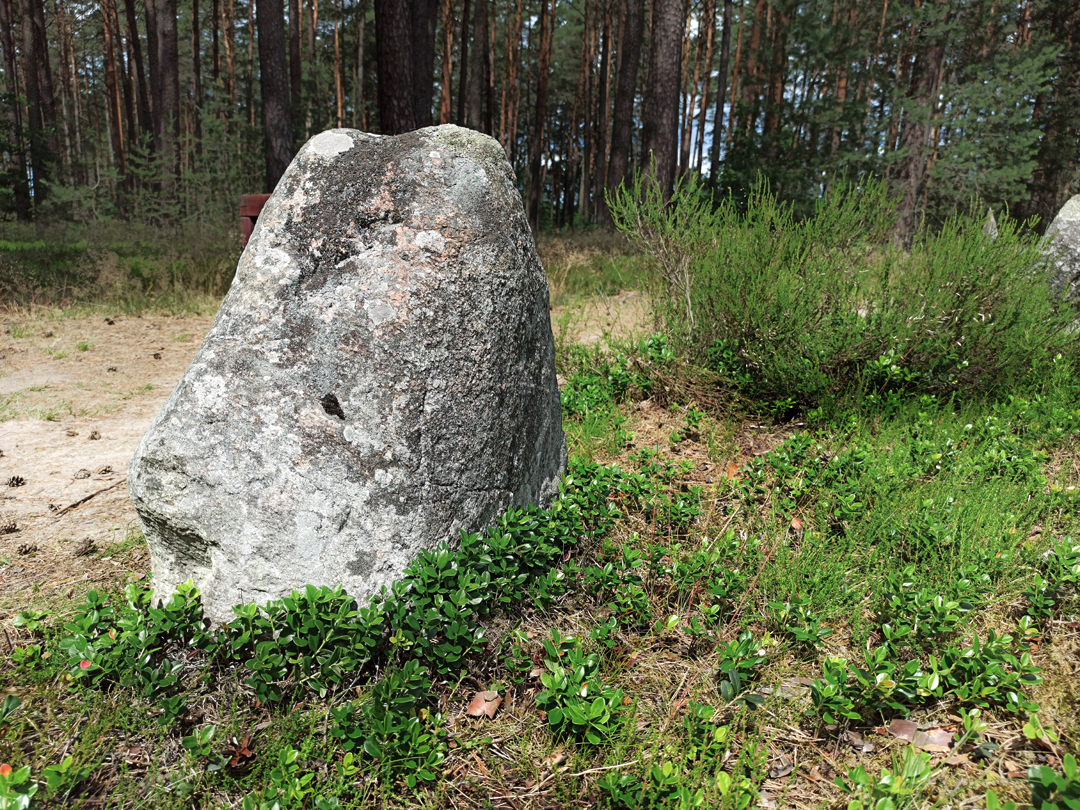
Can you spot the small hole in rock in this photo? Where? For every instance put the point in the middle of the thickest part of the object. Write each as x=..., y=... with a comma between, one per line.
x=331, y=405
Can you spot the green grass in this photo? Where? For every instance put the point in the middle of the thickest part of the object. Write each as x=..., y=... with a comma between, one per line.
x=732, y=591
x=654, y=599
x=116, y=268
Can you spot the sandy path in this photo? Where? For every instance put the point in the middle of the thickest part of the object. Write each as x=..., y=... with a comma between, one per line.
x=73, y=418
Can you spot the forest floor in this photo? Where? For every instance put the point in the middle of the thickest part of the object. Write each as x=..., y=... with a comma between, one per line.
x=759, y=608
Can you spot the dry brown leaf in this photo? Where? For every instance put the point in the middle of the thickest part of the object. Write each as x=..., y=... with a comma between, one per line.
x=858, y=743
x=958, y=760
x=783, y=768
x=904, y=729
x=814, y=775
x=1014, y=771
x=484, y=704
x=936, y=740
x=554, y=760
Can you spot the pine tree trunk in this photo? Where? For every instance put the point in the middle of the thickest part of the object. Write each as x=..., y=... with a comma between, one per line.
x=710, y=15
x=229, y=43
x=168, y=116
x=196, y=73
x=447, y=62
x=625, y=88
x=774, y=98
x=489, y=70
x=215, y=51
x=123, y=75
x=296, y=61
x=146, y=125
x=359, y=103
x=510, y=50
x=154, y=71
x=918, y=110
x=112, y=91
x=339, y=90
x=735, y=75
x=17, y=155
x=546, y=25
x=274, y=84
x=65, y=120
x=751, y=85
x=424, y=19
x=313, y=67
x=463, y=59
x=600, y=141
x=660, y=110
x=691, y=102
x=394, y=51
x=584, y=196
x=477, y=87
x=35, y=69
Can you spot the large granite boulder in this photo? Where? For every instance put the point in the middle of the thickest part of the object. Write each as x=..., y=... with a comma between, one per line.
x=1063, y=242
x=380, y=377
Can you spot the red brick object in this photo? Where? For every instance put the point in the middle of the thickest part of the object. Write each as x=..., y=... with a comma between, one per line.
x=251, y=205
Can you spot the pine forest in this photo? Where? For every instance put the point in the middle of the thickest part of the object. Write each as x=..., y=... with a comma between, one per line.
x=164, y=110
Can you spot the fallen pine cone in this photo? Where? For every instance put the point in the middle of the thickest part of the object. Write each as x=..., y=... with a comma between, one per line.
x=26, y=548
x=84, y=547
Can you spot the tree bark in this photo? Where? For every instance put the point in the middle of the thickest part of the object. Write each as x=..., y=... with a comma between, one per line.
x=215, y=52
x=196, y=72
x=660, y=111
x=339, y=88
x=463, y=71
x=710, y=15
x=17, y=155
x=274, y=82
x=917, y=112
x=540, y=118
x=360, y=97
x=625, y=88
x=154, y=69
x=477, y=88
x=38, y=88
x=229, y=43
x=167, y=113
x=146, y=125
x=394, y=50
x=296, y=59
x=424, y=19
x=692, y=100
x=112, y=91
x=774, y=98
x=447, y=62
x=600, y=141
x=313, y=66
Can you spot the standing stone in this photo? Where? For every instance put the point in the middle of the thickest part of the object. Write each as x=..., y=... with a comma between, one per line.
x=1063, y=241
x=380, y=377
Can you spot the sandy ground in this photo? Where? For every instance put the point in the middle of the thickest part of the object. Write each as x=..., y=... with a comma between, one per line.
x=76, y=397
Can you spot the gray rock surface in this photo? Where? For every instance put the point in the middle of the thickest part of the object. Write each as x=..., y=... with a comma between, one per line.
x=1063, y=239
x=380, y=376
